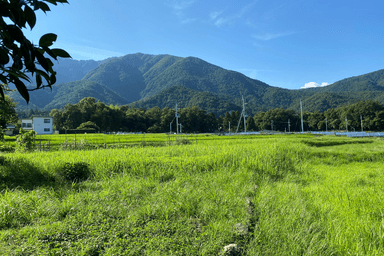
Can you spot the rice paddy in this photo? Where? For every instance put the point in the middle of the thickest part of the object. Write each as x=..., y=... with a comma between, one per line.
x=270, y=195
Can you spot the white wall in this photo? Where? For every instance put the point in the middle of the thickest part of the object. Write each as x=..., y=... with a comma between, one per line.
x=43, y=125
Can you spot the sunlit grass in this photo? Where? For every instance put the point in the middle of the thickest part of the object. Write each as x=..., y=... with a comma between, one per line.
x=290, y=195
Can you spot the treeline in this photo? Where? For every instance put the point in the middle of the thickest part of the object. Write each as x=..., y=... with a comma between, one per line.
x=368, y=115
x=89, y=114
x=96, y=115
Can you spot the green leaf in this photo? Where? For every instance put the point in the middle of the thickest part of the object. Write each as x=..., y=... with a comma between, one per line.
x=43, y=61
x=15, y=33
x=39, y=81
x=30, y=16
x=2, y=92
x=44, y=7
x=16, y=73
x=47, y=40
x=51, y=2
x=50, y=53
x=3, y=79
x=61, y=53
x=36, y=5
x=4, y=58
x=20, y=86
x=43, y=74
x=53, y=78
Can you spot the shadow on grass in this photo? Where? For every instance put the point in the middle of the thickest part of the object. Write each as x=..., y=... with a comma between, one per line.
x=20, y=173
x=334, y=143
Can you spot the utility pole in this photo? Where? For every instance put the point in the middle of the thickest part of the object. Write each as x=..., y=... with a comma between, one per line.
x=229, y=124
x=271, y=125
x=245, y=125
x=181, y=130
x=170, y=127
x=289, y=125
x=346, y=124
x=242, y=115
x=326, y=125
x=361, y=118
x=177, y=121
x=302, y=124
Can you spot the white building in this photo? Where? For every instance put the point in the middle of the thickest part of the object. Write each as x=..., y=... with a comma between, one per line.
x=40, y=124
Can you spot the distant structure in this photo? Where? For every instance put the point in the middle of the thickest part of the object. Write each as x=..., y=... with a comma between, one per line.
x=39, y=124
x=244, y=116
x=302, y=124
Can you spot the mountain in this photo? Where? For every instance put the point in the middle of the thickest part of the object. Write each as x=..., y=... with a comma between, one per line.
x=187, y=97
x=373, y=81
x=145, y=81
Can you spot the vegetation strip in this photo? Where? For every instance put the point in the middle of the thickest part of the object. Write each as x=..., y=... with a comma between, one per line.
x=196, y=199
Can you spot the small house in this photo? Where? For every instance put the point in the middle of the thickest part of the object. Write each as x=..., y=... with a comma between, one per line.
x=9, y=129
x=40, y=124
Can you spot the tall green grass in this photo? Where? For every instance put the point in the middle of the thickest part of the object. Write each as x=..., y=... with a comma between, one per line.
x=270, y=195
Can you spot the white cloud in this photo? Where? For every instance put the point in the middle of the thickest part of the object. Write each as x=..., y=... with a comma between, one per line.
x=230, y=19
x=216, y=14
x=179, y=8
x=310, y=85
x=313, y=85
x=270, y=36
x=181, y=5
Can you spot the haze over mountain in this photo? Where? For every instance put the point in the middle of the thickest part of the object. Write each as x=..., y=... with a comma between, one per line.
x=146, y=81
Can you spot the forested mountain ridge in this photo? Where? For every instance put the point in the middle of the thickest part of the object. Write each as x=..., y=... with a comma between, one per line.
x=161, y=80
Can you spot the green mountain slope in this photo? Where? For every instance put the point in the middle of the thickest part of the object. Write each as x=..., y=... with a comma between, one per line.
x=373, y=81
x=186, y=97
x=160, y=80
x=73, y=92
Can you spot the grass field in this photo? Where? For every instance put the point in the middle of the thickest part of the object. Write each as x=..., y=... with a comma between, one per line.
x=270, y=195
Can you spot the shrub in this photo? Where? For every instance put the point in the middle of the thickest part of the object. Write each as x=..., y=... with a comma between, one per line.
x=24, y=141
x=2, y=160
x=183, y=142
x=75, y=171
x=7, y=148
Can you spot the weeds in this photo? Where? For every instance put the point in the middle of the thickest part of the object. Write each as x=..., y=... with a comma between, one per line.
x=266, y=195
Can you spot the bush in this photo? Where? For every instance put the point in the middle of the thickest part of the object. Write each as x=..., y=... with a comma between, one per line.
x=2, y=160
x=7, y=148
x=75, y=171
x=24, y=141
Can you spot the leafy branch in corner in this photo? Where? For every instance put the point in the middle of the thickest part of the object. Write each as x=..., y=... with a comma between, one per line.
x=18, y=55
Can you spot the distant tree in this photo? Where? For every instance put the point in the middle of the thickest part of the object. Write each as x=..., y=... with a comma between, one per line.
x=7, y=113
x=226, y=121
x=135, y=118
x=258, y=119
x=18, y=55
x=58, y=119
x=235, y=117
x=219, y=125
x=314, y=119
x=210, y=123
x=251, y=126
x=88, y=126
x=167, y=117
x=153, y=118
x=71, y=116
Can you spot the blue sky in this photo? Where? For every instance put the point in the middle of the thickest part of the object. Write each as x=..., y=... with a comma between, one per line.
x=284, y=43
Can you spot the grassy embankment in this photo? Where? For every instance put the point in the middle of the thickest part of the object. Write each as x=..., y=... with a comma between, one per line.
x=286, y=195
